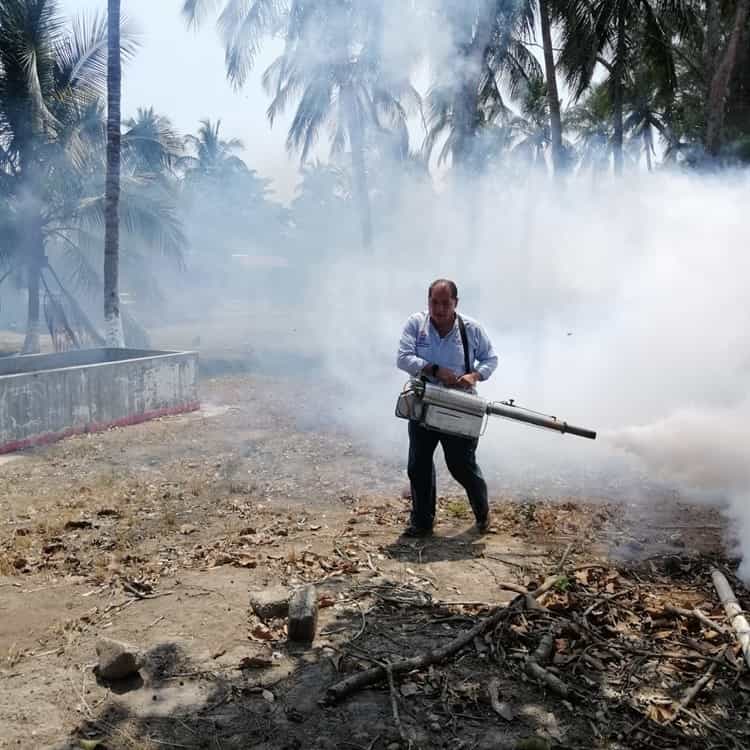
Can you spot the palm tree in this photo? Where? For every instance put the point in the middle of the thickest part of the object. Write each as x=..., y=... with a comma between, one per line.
x=648, y=111
x=489, y=53
x=52, y=144
x=112, y=323
x=719, y=81
x=591, y=121
x=46, y=75
x=553, y=97
x=331, y=64
x=151, y=143
x=534, y=130
x=213, y=157
x=615, y=34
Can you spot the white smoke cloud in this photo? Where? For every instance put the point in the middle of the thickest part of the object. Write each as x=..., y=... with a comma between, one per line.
x=617, y=305
x=620, y=306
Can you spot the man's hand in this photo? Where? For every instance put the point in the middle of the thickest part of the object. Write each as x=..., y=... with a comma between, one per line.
x=447, y=377
x=468, y=381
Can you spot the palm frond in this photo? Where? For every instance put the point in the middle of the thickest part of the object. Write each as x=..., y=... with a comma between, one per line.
x=313, y=110
x=81, y=55
x=243, y=25
x=195, y=11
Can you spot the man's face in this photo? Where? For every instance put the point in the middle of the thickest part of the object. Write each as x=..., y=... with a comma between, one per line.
x=442, y=305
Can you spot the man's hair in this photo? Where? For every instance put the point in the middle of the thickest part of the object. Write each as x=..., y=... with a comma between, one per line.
x=452, y=288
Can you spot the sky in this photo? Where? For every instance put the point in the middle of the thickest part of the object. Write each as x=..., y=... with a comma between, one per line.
x=180, y=72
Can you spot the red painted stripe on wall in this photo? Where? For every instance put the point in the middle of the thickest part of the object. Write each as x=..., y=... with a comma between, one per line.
x=52, y=437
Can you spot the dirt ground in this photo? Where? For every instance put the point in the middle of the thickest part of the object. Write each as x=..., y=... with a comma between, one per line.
x=156, y=535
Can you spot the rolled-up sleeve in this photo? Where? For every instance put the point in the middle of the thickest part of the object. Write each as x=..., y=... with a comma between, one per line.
x=407, y=359
x=486, y=359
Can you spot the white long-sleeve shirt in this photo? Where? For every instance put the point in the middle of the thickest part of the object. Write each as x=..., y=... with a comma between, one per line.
x=421, y=344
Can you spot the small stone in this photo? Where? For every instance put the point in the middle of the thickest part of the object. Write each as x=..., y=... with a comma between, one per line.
x=188, y=528
x=303, y=615
x=270, y=603
x=117, y=660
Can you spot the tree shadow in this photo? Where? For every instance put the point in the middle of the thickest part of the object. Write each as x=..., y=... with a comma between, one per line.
x=447, y=705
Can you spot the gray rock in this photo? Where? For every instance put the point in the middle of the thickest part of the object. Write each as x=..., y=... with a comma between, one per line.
x=117, y=660
x=270, y=603
x=303, y=615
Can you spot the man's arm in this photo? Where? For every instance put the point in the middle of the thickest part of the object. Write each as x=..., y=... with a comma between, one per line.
x=484, y=354
x=407, y=359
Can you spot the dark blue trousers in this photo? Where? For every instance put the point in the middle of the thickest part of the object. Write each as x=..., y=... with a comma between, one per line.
x=460, y=456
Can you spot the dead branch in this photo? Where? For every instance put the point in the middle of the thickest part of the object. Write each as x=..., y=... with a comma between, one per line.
x=734, y=612
x=694, y=690
x=534, y=667
x=553, y=682
x=501, y=708
x=698, y=615
x=352, y=684
x=564, y=557
x=394, y=702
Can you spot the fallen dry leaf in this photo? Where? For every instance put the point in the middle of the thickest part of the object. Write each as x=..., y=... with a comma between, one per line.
x=261, y=633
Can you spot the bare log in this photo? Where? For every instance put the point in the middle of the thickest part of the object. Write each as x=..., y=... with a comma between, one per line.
x=734, y=612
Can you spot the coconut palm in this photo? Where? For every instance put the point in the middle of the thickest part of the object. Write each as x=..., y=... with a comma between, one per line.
x=722, y=75
x=151, y=144
x=591, y=122
x=47, y=74
x=212, y=157
x=330, y=65
x=52, y=146
x=616, y=35
x=533, y=127
x=488, y=40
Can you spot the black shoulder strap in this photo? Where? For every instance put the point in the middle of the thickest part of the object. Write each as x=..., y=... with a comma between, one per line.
x=465, y=342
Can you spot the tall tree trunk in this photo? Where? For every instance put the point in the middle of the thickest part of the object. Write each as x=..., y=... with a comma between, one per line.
x=711, y=43
x=359, y=173
x=35, y=261
x=471, y=41
x=112, y=322
x=720, y=81
x=553, y=97
x=618, y=86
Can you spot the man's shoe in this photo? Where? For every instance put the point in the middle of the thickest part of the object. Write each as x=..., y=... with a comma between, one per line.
x=484, y=527
x=416, y=531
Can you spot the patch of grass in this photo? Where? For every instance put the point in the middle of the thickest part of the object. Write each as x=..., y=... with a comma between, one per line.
x=457, y=509
x=13, y=655
x=7, y=568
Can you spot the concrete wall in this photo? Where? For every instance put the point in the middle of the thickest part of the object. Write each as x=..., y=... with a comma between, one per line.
x=51, y=396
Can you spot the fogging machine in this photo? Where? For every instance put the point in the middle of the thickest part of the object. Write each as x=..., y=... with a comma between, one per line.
x=458, y=413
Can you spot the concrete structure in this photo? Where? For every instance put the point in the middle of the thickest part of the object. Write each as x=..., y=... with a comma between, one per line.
x=46, y=397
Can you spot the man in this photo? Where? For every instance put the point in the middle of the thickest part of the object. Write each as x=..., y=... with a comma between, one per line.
x=432, y=346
